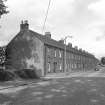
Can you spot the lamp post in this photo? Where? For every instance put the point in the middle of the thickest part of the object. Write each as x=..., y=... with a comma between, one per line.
x=65, y=65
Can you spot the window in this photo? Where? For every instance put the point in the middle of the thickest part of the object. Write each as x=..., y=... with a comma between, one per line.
x=75, y=65
x=49, y=67
x=60, y=54
x=48, y=49
x=55, y=53
x=79, y=58
x=69, y=56
x=72, y=56
x=60, y=66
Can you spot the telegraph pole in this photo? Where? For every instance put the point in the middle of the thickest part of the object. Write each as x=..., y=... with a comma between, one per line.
x=65, y=63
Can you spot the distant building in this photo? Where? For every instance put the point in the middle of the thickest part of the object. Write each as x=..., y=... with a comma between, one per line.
x=30, y=50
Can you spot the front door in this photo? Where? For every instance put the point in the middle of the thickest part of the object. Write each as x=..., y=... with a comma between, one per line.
x=55, y=67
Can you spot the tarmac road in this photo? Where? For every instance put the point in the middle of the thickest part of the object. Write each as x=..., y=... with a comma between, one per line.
x=77, y=89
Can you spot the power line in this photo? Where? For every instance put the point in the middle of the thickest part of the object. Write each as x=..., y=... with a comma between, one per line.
x=46, y=16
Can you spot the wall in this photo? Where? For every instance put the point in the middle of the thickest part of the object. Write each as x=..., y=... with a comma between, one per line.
x=25, y=51
x=75, y=60
x=53, y=58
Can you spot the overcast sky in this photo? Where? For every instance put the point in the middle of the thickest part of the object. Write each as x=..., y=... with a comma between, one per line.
x=83, y=19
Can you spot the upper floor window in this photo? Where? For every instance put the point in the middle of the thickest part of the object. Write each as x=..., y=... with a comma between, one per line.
x=55, y=53
x=79, y=57
x=72, y=56
x=48, y=49
x=60, y=54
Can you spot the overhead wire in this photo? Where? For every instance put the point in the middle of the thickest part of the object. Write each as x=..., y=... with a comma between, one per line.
x=46, y=15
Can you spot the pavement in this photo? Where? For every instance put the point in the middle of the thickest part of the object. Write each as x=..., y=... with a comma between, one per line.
x=19, y=82
x=68, y=75
x=88, y=73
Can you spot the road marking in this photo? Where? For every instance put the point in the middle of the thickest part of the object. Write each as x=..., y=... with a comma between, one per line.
x=92, y=90
x=64, y=95
x=39, y=98
x=12, y=90
x=6, y=103
x=94, y=100
x=37, y=93
x=55, y=90
x=78, y=81
x=64, y=91
x=44, y=83
x=49, y=96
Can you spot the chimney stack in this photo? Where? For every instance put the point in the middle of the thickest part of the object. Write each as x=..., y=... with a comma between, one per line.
x=61, y=41
x=80, y=49
x=70, y=45
x=48, y=35
x=24, y=25
x=76, y=47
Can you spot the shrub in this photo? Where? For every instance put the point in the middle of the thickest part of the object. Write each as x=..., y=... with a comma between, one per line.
x=103, y=60
x=27, y=74
x=6, y=75
x=21, y=74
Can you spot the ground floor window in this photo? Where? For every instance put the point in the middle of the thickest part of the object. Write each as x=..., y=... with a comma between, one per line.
x=49, y=67
x=72, y=66
x=60, y=66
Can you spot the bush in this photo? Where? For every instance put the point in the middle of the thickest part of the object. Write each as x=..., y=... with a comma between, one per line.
x=6, y=75
x=21, y=74
x=12, y=74
x=103, y=60
x=27, y=73
x=31, y=73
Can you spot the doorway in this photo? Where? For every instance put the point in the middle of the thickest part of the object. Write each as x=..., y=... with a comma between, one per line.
x=55, y=67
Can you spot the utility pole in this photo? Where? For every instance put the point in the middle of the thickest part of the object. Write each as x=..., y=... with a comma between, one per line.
x=65, y=63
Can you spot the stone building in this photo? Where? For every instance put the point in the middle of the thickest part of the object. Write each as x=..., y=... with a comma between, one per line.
x=31, y=50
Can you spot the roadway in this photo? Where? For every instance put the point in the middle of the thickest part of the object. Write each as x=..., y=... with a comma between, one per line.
x=84, y=88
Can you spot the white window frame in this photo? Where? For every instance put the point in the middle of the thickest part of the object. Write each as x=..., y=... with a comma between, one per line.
x=60, y=66
x=55, y=53
x=49, y=67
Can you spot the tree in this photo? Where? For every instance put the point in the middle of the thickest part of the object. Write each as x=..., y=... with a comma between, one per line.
x=3, y=8
x=103, y=60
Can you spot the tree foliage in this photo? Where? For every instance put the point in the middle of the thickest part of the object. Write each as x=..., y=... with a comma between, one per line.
x=3, y=8
x=103, y=60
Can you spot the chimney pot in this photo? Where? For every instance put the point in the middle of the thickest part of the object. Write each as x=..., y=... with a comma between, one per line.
x=24, y=25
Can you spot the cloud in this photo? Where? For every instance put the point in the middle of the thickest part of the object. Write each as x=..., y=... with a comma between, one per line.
x=101, y=36
x=83, y=19
x=99, y=8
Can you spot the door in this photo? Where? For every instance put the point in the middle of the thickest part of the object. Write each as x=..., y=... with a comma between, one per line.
x=55, y=67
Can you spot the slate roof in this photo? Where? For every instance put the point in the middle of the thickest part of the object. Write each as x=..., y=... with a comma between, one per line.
x=53, y=43
x=57, y=44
